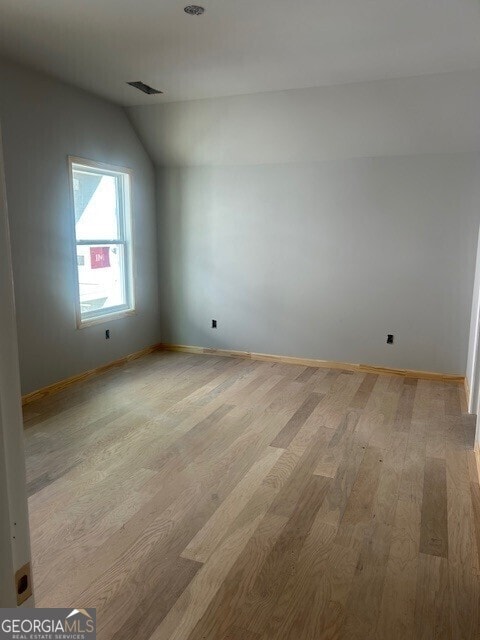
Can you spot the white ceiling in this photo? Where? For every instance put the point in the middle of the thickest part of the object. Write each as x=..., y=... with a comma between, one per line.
x=237, y=47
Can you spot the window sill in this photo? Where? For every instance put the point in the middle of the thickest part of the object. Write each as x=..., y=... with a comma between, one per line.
x=116, y=315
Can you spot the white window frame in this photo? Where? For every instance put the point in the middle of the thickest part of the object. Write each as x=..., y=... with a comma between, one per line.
x=125, y=239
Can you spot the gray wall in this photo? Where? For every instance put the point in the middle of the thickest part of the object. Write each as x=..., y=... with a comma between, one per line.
x=323, y=260
x=44, y=121
x=314, y=222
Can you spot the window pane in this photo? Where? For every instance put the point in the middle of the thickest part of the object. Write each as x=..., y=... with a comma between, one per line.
x=96, y=205
x=101, y=277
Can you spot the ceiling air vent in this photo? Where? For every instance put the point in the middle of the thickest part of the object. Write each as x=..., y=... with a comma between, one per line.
x=194, y=10
x=141, y=86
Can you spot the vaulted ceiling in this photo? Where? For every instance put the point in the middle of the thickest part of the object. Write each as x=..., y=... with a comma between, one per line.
x=237, y=47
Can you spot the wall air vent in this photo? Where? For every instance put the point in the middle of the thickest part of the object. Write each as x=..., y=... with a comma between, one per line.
x=141, y=86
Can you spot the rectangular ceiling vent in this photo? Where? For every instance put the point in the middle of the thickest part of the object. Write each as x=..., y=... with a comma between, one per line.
x=141, y=86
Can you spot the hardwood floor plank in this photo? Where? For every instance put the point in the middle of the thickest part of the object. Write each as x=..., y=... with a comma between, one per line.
x=312, y=599
x=475, y=492
x=331, y=408
x=333, y=454
x=432, y=610
x=262, y=596
x=397, y=611
x=306, y=374
x=237, y=633
x=375, y=423
x=194, y=440
x=293, y=426
x=209, y=537
x=286, y=501
x=327, y=381
x=463, y=558
x=411, y=484
x=164, y=590
x=434, y=535
x=220, y=615
x=403, y=417
x=358, y=511
x=335, y=503
x=363, y=607
x=365, y=598
x=362, y=395
x=452, y=400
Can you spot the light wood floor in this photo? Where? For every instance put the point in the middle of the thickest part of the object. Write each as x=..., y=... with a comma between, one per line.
x=193, y=497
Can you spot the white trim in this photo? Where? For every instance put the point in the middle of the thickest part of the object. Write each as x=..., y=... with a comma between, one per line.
x=106, y=317
x=94, y=164
x=473, y=364
x=473, y=384
x=100, y=242
x=14, y=525
x=126, y=240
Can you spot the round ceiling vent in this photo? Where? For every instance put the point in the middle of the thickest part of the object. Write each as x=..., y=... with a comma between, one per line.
x=194, y=10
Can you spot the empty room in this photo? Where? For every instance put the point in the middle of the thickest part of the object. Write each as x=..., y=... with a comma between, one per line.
x=240, y=320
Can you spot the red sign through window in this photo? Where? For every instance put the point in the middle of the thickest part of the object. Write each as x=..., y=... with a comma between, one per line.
x=99, y=257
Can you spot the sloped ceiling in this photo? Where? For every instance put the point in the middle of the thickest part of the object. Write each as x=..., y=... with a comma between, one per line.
x=237, y=47
x=428, y=114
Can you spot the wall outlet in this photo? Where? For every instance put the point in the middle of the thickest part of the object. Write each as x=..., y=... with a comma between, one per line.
x=214, y=324
x=23, y=583
x=389, y=338
x=107, y=334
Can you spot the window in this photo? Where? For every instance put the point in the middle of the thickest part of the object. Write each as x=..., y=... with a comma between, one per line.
x=103, y=240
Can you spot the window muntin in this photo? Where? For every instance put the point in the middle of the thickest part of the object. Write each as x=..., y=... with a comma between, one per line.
x=101, y=203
